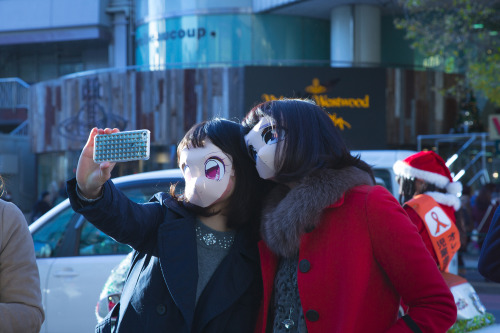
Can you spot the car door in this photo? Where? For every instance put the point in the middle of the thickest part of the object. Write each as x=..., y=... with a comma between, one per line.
x=46, y=240
x=75, y=259
x=75, y=280
x=71, y=271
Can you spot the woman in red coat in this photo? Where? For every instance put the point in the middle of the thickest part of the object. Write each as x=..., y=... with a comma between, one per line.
x=338, y=254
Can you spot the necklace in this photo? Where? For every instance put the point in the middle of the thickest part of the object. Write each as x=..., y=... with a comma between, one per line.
x=212, y=238
x=288, y=322
x=286, y=293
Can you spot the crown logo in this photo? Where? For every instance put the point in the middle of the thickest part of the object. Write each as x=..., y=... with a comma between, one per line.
x=315, y=88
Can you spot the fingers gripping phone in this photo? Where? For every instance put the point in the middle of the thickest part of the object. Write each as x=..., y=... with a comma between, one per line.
x=122, y=146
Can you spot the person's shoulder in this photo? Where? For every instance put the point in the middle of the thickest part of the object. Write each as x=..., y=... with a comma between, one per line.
x=370, y=190
x=9, y=208
x=163, y=198
x=167, y=200
x=11, y=215
x=373, y=197
x=364, y=194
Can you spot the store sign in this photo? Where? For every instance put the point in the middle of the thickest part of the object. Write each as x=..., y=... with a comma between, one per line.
x=183, y=41
x=174, y=34
x=318, y=94
x=494, y=127
x=353, y=97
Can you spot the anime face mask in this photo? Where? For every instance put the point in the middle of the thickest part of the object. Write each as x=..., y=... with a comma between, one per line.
x=261, y=143
x=208, y=173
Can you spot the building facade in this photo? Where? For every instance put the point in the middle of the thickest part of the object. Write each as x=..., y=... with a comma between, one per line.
x=165, y=65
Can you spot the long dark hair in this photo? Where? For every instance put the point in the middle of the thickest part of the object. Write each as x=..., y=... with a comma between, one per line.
x=245, y=202
x=483, y=199
x=312, y=142
x=407, y=188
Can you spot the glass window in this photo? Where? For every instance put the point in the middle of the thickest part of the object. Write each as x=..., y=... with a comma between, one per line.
x=235, y=40
x=385, y=176
x=50, y=237
x=95, y=242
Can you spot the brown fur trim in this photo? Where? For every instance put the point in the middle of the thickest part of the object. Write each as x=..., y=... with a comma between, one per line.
x=290, y=212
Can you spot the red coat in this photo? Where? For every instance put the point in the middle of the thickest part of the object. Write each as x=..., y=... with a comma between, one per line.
x=362, y=257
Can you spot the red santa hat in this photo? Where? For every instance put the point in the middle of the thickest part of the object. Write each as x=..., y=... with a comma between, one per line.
x=430, y=167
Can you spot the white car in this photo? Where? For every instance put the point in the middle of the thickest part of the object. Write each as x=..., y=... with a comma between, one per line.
x=382, y=162
x=75, y=259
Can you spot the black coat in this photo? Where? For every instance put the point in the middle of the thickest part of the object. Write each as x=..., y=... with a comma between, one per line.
x=160, y=291
x=489, y=259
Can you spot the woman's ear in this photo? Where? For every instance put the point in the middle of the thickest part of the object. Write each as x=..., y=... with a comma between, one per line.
x=419, y=186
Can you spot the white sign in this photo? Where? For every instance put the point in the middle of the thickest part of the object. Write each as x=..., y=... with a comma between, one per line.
x=437, y=221
x=494, y=126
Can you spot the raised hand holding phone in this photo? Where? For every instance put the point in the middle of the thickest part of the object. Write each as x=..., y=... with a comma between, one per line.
x=90, y=176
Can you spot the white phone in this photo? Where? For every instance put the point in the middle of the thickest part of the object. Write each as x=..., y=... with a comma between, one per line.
x=122, y=146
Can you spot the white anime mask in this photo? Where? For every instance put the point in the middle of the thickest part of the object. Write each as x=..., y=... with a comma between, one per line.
x=208, y=173
x=261, y=143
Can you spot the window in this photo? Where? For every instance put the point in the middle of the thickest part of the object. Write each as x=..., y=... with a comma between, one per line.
x=95, y=242
x=385, y=176
x=50, y=237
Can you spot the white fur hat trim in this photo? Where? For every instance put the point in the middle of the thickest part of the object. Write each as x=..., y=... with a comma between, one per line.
x=454, y=187
x=446, y=199
x=403, y=169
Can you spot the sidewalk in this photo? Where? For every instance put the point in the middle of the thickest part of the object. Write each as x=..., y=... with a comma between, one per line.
x=472, y=275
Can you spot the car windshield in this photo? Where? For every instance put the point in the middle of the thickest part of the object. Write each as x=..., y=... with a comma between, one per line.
x=385, y=176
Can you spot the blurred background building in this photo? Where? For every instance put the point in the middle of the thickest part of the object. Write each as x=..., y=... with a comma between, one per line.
x=69, y=65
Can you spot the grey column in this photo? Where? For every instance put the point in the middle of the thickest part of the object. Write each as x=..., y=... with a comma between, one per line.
x=355, y=36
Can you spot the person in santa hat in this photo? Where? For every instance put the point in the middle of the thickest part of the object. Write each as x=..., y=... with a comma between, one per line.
x=429, y=196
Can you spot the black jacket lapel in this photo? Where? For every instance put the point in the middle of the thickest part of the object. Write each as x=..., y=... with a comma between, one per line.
x=179, y=258
x=178, y=261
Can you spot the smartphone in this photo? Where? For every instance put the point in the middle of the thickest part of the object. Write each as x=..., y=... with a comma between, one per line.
x=122, y=146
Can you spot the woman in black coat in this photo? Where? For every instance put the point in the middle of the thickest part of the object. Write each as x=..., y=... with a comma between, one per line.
x=196, y=262
x=489, y=259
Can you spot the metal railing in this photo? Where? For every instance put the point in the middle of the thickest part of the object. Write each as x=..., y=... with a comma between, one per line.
x=475, y=166
x=14, y=93
x=21, y=130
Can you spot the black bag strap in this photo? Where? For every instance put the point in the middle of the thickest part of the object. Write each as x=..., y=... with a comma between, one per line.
x=108, y=321
x=113, y=317
x=132, y=278
x=411, y=324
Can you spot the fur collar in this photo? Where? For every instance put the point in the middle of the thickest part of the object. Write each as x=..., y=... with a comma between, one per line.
x=289, y=213
x=446, y=199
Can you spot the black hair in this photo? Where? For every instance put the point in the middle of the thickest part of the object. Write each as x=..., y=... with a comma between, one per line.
x=244, y=203
x=483, y=199
x=312, y=142
x=407, y=188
